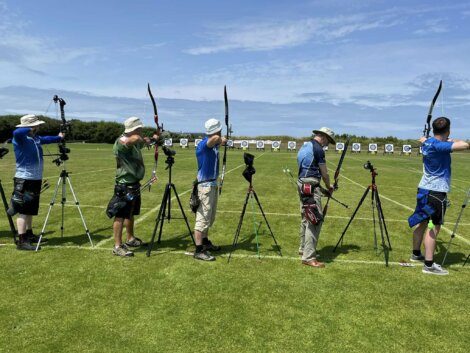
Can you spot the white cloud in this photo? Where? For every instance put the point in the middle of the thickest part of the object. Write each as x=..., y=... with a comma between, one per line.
x=271, y=35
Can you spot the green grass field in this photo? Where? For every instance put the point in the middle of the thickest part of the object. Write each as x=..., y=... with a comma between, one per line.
x=70, y=297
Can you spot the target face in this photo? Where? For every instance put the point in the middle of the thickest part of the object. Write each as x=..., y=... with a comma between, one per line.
x=229, y=143
x=388, y=148
x=259, y=144
x=406, y=148
x=168, y=142
x=340, y=146
x=372, y=147
x=276, y=144
x=196, y=142
x=420, y=150
x=292, y=145
x=356, y=147
x=184, y=142
x=244, y=144
x=325, y=148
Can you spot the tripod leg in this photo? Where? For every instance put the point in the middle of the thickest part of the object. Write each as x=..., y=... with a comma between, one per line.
x=51, y=204
x=167, y=196
x=466, y=260
x=455, y=228
x=381, y=225
x=373, y=204
x=265, y=219
x=63, y=200
x=183, y=213
x=239, y=227
x=160, y=218
x=352, y=217
x=10, y=220
x=255, y=229
x=87, y=231
x=379, y=204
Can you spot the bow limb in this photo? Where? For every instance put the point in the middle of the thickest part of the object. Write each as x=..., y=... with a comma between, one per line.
x=336, y=177
x=427, y=127
x=159, y=129
x=227, y=136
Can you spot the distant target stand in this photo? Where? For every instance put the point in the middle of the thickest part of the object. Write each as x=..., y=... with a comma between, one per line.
x=244, y=145
x=389, y=148
x=196, y=142
x=406, y=150
x=292, y=146
x=168, y=142
x=356, y=147
x=339, y=147
x=259, y=145
x=184, y=143
x=372, y=148
x=276, y=146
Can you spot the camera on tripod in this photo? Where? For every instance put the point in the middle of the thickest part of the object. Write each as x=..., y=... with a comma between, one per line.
x=369, y=166
x=169, y=153
x=63, y=155
x=249, y=170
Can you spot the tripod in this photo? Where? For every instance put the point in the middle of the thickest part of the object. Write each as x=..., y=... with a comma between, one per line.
x=251, y=193
x=62, y=181
x=465, y=202
x=376, y=206
x=10, y=220
x=165, y=207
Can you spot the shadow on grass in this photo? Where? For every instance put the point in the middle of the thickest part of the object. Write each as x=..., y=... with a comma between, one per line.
x=328, y=255
x=453, y=257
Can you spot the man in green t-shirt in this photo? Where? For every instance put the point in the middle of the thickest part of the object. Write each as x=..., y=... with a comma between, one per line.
x=125, y=203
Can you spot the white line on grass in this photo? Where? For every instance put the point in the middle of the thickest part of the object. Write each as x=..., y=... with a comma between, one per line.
x=244, y=256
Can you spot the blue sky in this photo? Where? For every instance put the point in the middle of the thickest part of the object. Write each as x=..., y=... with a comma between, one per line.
x=368, y=68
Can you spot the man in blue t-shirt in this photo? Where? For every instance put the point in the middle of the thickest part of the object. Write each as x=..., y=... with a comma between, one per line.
x=28, y=177
x=432, y=193
x=207, y=154
x=312, y=169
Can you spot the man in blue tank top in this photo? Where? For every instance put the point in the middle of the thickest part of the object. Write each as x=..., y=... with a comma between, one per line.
x=432, y=193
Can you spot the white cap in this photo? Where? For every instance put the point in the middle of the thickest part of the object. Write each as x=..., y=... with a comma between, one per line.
x=132, y=123
x=30, y=120
x=212, y=126
x=328, y=132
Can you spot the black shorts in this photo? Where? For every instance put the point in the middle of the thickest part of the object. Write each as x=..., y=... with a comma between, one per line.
x=438, y=201
x=25, y=197
x=129, y=196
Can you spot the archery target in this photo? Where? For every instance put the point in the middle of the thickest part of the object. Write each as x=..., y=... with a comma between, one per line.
x=260, y=144
x=168, y=142
x=291, y=145
x=184, y=142
x=406, y=148
x=339, y=146
x=244, y=144
x=325, y=148
x=388, y=148
x=196, y=142
x=276, y=144
x=230, y=143
x=356, y=147
x=420, y=150
x=372, y=147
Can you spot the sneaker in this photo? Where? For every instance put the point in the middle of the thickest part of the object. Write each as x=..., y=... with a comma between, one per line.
x=33, y=238
x=204, y=256
x=135, y=243
x=122, y=251
x=419, y=258
x=313, y=263
x=435, y=269
x=26, y=245
x=211, y=247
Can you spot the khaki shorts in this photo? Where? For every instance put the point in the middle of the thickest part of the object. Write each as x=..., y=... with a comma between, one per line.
x=205, y=215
